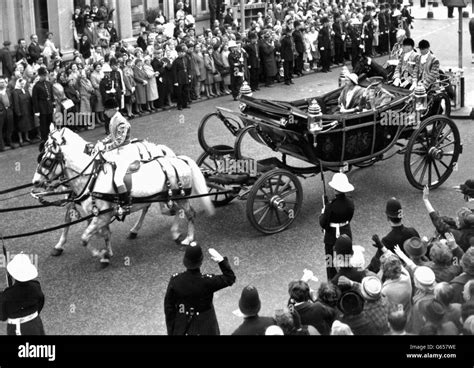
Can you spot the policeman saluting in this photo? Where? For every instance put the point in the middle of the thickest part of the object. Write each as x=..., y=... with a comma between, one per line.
x=335, y=218
x=21, y=303
x=188, y=300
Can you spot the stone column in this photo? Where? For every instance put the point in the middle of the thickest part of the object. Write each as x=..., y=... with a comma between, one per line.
x=60, y=18
x=152, y=4
x=124, y=19
x=27, y=12
x=11, y=22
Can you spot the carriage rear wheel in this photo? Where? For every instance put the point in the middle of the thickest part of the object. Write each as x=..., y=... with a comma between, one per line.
x=439, y=104
x=432, y=152
x=217, y=130
x=274, y=201
x=208, y=162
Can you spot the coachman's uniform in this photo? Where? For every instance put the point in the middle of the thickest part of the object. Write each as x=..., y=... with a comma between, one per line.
x=428, y=70
x=188, y=301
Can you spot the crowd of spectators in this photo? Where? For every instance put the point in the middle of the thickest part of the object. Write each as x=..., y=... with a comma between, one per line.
x=170, y=63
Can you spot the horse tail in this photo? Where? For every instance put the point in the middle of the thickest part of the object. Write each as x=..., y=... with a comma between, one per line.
x=199, y=184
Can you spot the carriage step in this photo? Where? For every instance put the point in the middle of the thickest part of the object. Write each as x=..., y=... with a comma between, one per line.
x=268, y=164
x=228, y=179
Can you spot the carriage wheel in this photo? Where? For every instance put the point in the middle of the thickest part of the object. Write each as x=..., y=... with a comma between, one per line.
x=216, y=129
x=245, y=143
x=274, y=201
x=432, y=152
x=208, y=164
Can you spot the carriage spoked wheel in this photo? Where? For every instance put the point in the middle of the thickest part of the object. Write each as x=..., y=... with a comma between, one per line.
x=432, y=152
x=274, y=201
x=217, y=130
x=208, y=162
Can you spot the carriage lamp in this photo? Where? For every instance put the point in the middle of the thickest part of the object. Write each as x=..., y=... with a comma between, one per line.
x=315, y=121
x=245, y=90
x=421, y=98
x=342, y=76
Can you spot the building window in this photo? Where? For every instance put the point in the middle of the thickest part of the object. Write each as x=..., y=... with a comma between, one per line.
x=203, y=5
x=42, y=21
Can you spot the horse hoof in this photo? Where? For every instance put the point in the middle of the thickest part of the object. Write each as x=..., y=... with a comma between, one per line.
x=104, y=263
x=57, y=252
x=186, y=242
x=132, y=235
x=179, y=239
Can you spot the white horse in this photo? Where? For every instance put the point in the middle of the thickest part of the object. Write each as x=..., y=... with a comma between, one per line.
x=64, y=157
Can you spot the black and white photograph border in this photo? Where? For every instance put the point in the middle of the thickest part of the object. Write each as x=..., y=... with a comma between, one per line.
x=219, y=181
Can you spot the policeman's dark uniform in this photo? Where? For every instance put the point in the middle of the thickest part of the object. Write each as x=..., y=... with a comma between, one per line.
x=237, y=69
x=397, y=236
x=181, y=69
x=336, y=221
x=188, y=300
x=22, y=302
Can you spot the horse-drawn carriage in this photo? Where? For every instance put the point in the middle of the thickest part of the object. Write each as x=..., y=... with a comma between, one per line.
x=286, y=149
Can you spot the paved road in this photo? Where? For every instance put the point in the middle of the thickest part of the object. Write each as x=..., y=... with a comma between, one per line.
x=127, y=298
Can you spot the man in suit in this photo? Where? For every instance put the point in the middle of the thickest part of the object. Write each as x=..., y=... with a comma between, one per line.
x=287, y=53
x=339, y=39
x=299, y=47
x=90, y=32
x=407, y=67
x=212, y=4
x=22, y=53
x=253, y=53
x=78, y=20
x=112, y=32
x=43, y=102
x=6, y=116
x=249, y=306
x=374, y=95
x=354, y=34
x=34, y=49
x=181, y=69
x=237, y=68
x=383, y=31
x=428, y=65
x=335, y=218
x=324, y=45
x=188, y=301
x=6, y=59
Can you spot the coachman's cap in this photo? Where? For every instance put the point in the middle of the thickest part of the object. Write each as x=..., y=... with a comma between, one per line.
x=110, y=104
x=193, y=256
x=249, y=302
x=393, y=208
x=21, y=268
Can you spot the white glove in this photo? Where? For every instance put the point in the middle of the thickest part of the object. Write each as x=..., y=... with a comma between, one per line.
x=99, y=147
x=37, y=114
x=308, y=275
x=215, y=255
x=396, y=82
x=413, y=85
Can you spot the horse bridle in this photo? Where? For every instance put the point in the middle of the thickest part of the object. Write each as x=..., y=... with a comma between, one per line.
x=48, y=163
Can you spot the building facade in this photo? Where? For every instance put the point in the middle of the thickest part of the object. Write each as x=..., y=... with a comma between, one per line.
x=22, y=18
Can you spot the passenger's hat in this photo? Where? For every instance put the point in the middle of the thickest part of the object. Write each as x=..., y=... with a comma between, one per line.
x=343, y=245
x=193, y=256
x=351, y=303
x=375, y=80
x=424, y=276
x=249, y=302
x=371, y=287
x=353, y=78
x=340, y=182
x=21, y=268
x=393, y=208
x=231, y=44
x=110, y=104
x=433, y=310
x=414, y=247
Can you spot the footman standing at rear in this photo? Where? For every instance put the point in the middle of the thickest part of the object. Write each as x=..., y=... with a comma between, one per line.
x=335, y=218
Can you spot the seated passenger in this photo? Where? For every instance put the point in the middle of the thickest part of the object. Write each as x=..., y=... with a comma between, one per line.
x=374, y=95
x=350, y=96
